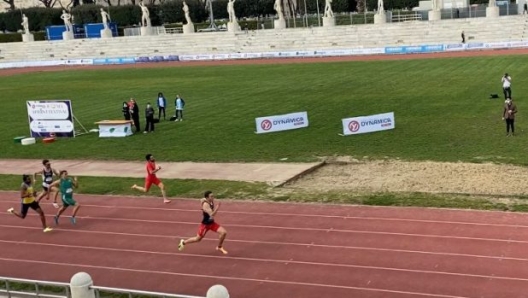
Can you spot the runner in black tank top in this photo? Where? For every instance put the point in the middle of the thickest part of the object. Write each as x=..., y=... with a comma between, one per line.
x=47, y=178
x=207, y=219
x=209, y=211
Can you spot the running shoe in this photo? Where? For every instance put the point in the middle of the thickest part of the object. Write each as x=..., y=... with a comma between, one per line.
x=11, y=210
x=222, y=250
x=73, y=220
x=48, y=229
x=56, y=218
x=166, y=201
x=56, y=205
x=181, y=246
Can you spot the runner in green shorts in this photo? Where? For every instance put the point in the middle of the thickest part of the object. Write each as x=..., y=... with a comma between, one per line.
x=66, y=185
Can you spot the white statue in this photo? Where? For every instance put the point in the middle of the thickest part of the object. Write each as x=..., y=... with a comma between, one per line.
x=145, y=15
x=435, y=4
x=186, y=11
x=25, y=24
x=105, y=16
x=231, y=11
x=328, y=13
x=66, y=17
x=492, y=3
x=278, y=8
x=381, y=10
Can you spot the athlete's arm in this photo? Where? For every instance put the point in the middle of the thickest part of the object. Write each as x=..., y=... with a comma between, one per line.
x=207, y=209
x=23, y=193
x=35, y=175
x=75, y=182
x=56, y=173
x=55, y=183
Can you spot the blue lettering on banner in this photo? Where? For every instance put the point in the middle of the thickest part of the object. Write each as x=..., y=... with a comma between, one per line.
x=106, y=61
x=384, y=122
x=414, y=49
x=454, y=46
x=475, y=45
x=295, y=121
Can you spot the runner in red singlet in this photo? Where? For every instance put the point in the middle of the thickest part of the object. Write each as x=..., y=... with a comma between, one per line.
x=151, y=178
x=209, y=210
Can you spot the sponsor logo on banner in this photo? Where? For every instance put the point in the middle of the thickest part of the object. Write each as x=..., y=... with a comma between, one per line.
x=475, y=45
x=454, y=47
x=366, y=124
x=50, y=116
x=282, y=122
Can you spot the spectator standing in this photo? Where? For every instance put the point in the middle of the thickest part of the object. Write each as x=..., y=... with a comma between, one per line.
x=508, y=114
x=149, y=115
x=134, y=113
x=126, y=110
x=506, y=86
x=525, y=11
x=162, y=104
x=463, y=35
x=180, y=104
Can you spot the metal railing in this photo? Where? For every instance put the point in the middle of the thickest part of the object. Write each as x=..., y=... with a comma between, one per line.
x=35, y=288
x=19, y=288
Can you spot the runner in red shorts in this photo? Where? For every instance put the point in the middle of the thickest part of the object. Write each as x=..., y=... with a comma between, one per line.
x=209, y=210
x=151, y=178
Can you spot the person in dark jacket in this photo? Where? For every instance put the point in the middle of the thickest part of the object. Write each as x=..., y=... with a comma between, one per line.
x=134, y=112
x=162, y=104
x=149, y=116
x=126, y=111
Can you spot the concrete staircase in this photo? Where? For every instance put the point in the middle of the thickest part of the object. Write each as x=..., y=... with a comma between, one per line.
x=507, y=28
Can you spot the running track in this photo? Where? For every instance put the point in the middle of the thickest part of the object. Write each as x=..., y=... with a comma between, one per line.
x=276, y=250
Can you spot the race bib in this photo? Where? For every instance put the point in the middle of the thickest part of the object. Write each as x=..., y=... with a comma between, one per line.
x=69, y=190
x=48, y=179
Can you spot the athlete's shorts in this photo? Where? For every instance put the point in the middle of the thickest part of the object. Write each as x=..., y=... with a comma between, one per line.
x=204, y=228
x=25, y=207
x=68, y=201
x=45, y=187
x=150, y=181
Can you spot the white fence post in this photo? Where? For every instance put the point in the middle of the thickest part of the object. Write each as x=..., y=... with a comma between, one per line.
x=216, y=291
x=81, y=286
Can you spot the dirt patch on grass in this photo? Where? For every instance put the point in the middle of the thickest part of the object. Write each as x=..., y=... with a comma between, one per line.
x=427, y=177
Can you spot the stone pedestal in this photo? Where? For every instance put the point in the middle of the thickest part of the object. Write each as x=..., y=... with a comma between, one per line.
x=380, y=18
x=279, y=24
x=492, y=12
x=146, y=31
x=328, y=21
x=67, y=35
x=435, y=15
x=106, y=33
x=233, y=27
x=28, y=37
x=188, y=28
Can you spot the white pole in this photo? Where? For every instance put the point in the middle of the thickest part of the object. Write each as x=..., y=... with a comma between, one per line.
x=81, y=286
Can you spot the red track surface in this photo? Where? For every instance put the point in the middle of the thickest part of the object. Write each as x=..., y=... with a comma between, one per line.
x=276, y=250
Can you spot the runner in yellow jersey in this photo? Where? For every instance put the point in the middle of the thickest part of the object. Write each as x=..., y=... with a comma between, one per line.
x=28, y=194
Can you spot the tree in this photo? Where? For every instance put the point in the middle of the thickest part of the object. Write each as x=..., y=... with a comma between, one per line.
x=11, y=4
x=47, y=3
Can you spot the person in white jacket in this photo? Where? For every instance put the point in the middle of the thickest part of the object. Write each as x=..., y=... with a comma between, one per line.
x=179, y=103
x=506, y=86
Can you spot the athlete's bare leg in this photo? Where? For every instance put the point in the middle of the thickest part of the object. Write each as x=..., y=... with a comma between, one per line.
x=163, y=193
x=141, y=189
x=75, y=210
x=182, y=243
x=222, y=235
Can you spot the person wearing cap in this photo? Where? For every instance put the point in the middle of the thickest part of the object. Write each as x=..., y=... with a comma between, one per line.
x=506, y=86
x=508, y=114
x=28, y=196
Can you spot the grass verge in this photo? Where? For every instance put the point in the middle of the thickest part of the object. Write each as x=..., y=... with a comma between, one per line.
x=262, y=191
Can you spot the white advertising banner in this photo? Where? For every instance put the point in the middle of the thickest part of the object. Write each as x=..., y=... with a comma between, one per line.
x=366, y=124
x=115, y=130
x=282, y=122
x=48, y=117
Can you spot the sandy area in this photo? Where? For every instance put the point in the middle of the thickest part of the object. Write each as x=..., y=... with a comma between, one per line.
x=430, y=177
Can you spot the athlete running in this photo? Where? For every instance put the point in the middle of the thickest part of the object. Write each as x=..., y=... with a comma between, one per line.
x=209, y=210
x=66, y=185
x=151, y=178
x=47, y=174
x=28, y=194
